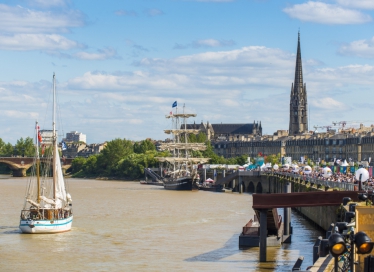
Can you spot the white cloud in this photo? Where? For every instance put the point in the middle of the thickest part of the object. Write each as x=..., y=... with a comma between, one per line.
x=361, y=4
x=22, y=42
x=123, y=12
x=153, y=12
x=206, y=43
x=47, y=3
x=102, y=54
x=319, y=12
x=22, y=20
x=360, y=48
x=328, y=103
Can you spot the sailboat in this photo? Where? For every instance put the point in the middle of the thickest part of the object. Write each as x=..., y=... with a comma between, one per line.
x=181, y=173
x=48, y=205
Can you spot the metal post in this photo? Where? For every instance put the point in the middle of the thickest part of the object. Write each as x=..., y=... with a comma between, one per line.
x=263, y=234
x=352, y=253
x=359, y=183
x=204, y=174
x=336, y=264
x=287, y=211
x=224, y=173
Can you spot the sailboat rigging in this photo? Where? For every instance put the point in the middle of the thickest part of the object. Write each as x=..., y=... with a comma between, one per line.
x=182, y=174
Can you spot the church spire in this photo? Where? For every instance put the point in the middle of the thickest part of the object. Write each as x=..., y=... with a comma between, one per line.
x=299, y=69
x=298, y=98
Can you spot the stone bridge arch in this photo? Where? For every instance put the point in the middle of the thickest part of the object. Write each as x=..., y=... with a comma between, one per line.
x=19, y=165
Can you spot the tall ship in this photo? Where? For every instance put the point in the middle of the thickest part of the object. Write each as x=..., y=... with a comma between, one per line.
x=48, y=205
x=181, y=172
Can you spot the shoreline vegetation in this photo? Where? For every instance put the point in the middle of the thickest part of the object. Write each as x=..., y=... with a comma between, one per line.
x=121, y=159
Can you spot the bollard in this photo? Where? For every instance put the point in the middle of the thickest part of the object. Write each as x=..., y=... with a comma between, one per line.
x=298, y=263
x=316, y=249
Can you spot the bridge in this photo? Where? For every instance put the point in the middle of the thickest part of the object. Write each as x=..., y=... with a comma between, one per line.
x=19, y=165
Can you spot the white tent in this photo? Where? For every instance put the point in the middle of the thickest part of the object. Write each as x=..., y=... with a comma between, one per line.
x=344, y=163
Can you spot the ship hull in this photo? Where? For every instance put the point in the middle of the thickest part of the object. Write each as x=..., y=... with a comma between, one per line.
x=181, y=184
x=46, y=226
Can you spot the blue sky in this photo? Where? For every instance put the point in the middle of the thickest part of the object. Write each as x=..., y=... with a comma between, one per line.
x=121, y=64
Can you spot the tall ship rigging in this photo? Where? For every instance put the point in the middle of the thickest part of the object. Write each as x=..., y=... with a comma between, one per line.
x=48, y=205
x=181, y=172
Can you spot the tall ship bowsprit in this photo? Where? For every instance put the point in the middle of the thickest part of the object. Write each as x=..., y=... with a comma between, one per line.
x=182, y=169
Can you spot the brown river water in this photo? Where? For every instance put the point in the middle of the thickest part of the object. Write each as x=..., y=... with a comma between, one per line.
x=126, y=226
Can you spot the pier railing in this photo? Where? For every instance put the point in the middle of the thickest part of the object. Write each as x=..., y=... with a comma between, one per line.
x=344, y=186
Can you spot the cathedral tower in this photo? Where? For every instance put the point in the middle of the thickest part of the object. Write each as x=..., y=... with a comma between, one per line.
x=298, y=99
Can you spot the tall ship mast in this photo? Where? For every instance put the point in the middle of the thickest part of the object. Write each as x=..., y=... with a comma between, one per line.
x=181, y=172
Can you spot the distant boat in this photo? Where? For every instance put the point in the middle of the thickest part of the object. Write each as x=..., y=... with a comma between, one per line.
x=181, y=173
x=48, y=205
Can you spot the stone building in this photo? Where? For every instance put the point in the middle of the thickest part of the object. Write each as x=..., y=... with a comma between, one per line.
x=228, y=132
x=75, y=136
x=82, y=150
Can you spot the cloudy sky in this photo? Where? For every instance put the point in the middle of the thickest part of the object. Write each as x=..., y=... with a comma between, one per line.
x=120, y=65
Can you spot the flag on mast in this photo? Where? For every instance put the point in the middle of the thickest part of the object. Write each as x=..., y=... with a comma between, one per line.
x=174, y=104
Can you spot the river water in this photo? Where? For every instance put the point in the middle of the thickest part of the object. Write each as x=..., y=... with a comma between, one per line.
x=125, y=226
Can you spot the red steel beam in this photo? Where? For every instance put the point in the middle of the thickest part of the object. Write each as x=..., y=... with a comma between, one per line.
x=307, y=199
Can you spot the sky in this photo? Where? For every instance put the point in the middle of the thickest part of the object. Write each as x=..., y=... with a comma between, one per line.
x=120, y=65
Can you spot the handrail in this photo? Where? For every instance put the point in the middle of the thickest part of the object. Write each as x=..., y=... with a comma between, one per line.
x=331, y=184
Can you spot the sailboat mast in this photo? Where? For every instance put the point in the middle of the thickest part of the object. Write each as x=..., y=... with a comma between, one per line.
x=54, y=137
x=37, y=160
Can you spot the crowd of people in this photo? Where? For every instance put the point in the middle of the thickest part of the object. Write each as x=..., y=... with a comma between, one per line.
x=327, y=175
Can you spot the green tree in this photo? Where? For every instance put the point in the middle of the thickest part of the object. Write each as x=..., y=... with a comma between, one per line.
x=201, y=137
x=144, y=146
x=77, y=165
x=6, y=150
x=25, y=147
x=113, y=152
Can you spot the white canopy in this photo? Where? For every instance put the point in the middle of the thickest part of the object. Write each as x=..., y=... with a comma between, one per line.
x=344, y=163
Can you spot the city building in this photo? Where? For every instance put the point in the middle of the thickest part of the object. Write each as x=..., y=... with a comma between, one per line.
x=79, y=149
x=228, y=132
x=75, y=137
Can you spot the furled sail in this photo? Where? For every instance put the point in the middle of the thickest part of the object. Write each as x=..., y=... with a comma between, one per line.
x=187, y=146
x=60, y=185
x=181, y=131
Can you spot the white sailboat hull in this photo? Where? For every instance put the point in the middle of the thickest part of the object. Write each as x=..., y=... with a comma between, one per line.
x=46, y=226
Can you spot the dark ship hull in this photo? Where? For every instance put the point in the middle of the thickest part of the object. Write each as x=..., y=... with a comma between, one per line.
x=181, y=184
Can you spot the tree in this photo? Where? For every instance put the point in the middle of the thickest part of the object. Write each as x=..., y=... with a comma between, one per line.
x=113, y=152
x=144, y=146
x=77, y=165
x=6, y=150
x=25, y=147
